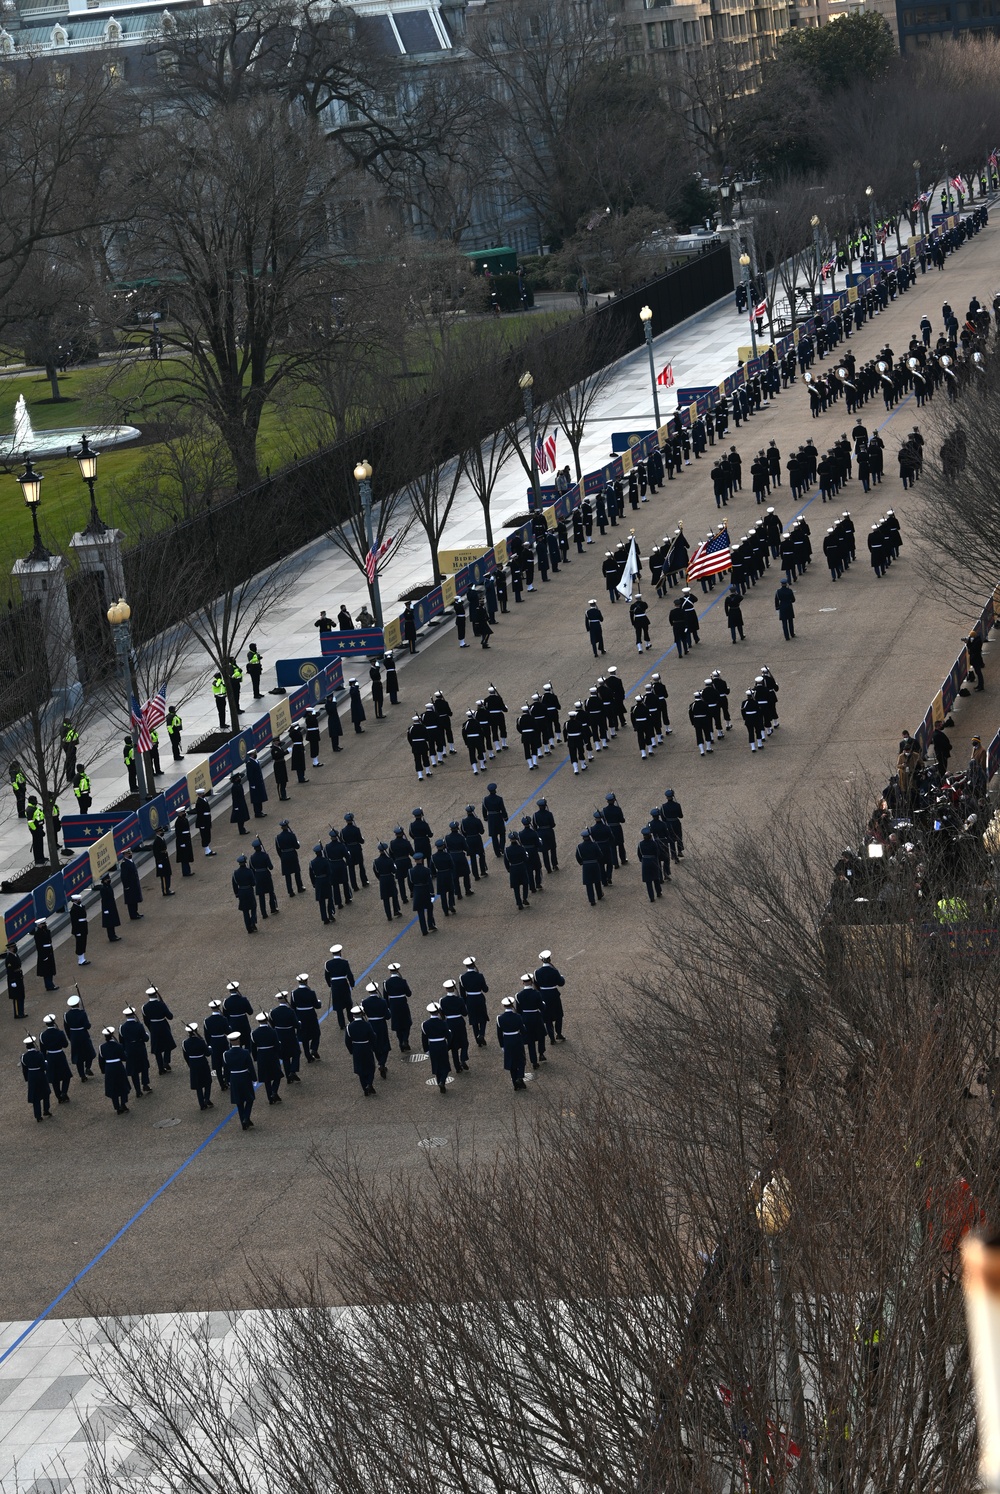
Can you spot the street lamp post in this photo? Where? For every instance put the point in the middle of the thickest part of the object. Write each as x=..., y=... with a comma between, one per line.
x=525, y=384
x=814, y=220
x=31, y=490
x=363, y=477
x=87, y=459
x=916, y=172
x=725, y=188
x=870, y=194
x=745, y=265
x=947, y=179
x=646, y=317
x=118, y=616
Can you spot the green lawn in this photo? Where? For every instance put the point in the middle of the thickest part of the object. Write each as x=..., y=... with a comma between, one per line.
x=92, y=397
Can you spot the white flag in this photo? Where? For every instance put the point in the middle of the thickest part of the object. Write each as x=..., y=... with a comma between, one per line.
x=624, y=587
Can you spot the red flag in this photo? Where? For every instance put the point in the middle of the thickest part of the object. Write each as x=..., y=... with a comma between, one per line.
x=666, y=378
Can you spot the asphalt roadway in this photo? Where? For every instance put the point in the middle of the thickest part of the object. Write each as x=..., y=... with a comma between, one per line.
x=213, y=1201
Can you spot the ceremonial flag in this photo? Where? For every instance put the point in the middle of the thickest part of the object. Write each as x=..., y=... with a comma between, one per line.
x=624, y=587
x=541, y=457
x=711, y=557
x=374, y=556
x=550, y=450
x=154, y=712
x=140, y=731
x=956, y=182
x=760, y=310
x=666, y=377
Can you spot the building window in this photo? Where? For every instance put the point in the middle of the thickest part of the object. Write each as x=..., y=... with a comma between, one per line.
x=668, y=30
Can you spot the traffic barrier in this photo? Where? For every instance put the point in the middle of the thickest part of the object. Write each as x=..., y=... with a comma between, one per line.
x=50, y=896
x=153, y=817
x=344, y=641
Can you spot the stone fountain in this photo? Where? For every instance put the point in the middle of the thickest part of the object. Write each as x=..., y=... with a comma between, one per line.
x=25, y=441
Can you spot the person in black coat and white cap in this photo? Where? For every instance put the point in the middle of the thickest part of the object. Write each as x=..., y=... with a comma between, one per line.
x=35, y=1076
x=78, y=924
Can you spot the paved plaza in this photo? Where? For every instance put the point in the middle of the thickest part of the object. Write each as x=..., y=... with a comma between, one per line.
x=192, y=1203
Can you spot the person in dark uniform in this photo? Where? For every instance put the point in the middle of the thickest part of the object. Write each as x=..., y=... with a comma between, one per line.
x=135, y=1041
x=422, y=884
x=672, y=815
x=512, y=1035
x=359, y=1041
x=384, y=869
x=340, y=879
x=279, y=755
x=614, y=818
x=245, y=893
x=111, y=1060
x=357, y=706
x=321, y=879
x=255, y=665
x=286, y=1030
x=408, y=623
x=237, y=1010
x=183, y=844
x=262, y=867
x=444, y=873
x=297, y=758
x=529, y=1004
x=239, y=814
x=78, y=927
x=311, y=725
x=34, y=1069
x=305, y=1004
x=435, y=1042
x=240, y=1077
x=76, y=1025
x=974, y=644
x=650, y=862
x=353, y=839
x=401, y=852
x=45, y=962
x=161, y=860
x=217, y=1026
x=588, y=855
x=287, y=847
x=333, y=727
x=378, y=1014
x=110, y=917
x=196, y=1055
x=453, y=1009
x=397, y=993
x=157, y=1016
x=174, y=728
x=391, y=678
x=472, y=829
x=515, y=859
x=53, y=1042
x=267, y=1057
x=495, y=812
x=339, y=977
x=255, y=786
x=203, y=823
x=15, y=978
x=548, y=982
x=458, y=849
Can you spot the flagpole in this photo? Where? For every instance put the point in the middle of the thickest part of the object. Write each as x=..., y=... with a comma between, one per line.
x=525, y=383
x=646, y=317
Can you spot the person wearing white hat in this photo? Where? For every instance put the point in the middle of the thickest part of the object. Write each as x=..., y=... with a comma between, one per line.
x=305, y=1004
x=267, y=1057
x=287, y=1032
x=45, y=964
x=397, y=993
x=76, y=1025
x=359, y=1041
x=241, y=1076
x=454, y=1011
x=237, y=1010
x=111, y=1058
x=78, y=925
x=197, y=1057
x=216, y=1029
x=157, y=1016
x=511, y=1036
x=436, y=1044
x=53, y=1043
x=549, y=981
x=472, y=984
x=135, y=1041
x=529, y=1004
x=378, y=1015
x=339, y=977
x=33, y=1068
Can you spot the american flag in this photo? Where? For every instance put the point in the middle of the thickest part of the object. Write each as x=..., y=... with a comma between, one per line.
x=545, y=453
x=712, y=556
x=760, y=309
x=956, y=182
x=140, y=731
x=374, y=556
x=666, y=378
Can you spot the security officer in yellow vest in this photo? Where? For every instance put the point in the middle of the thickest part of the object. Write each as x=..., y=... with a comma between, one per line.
x=255, y=665
x=19, y=784
x=70, y=743
x=219, y=691
x=236, y=685
x=36, y=829
x=154, y=752
x=81, y=790
x=174, y=727
x=128, y=758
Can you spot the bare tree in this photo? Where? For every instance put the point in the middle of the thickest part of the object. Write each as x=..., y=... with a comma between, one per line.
x=587, y=351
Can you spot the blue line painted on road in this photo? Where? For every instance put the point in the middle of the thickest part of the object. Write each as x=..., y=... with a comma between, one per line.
x=179, y=1171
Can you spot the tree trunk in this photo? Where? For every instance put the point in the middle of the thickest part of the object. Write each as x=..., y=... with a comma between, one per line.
x=52, y=374
x=489, y=524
